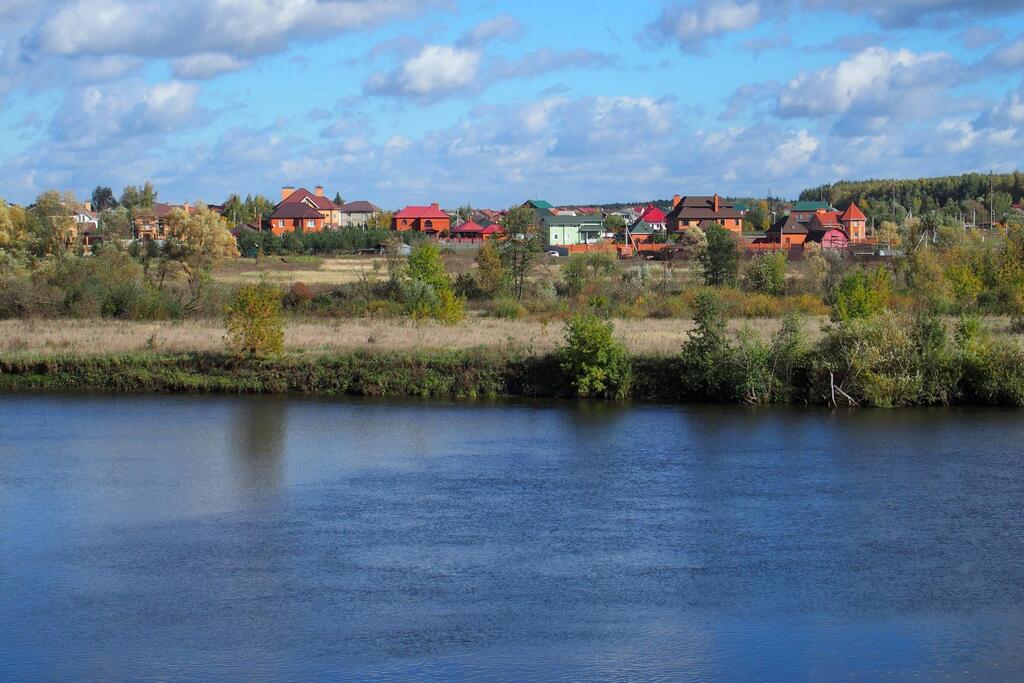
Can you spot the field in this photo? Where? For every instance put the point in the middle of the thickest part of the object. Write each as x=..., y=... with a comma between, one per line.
x=99, y=337
x=321, y=273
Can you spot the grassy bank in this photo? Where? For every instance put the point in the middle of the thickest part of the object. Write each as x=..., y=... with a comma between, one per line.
x=983, y=376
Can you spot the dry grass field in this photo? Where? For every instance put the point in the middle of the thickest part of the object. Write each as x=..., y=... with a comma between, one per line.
x=315, y=272
x=109, y=336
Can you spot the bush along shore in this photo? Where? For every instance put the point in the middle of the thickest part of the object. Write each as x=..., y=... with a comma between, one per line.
x=886, y=360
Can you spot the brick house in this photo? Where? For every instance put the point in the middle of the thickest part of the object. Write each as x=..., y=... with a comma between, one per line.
x=292, y=216
x=427, y=219
x=700, y=212
x=826, y=226
x=316, y=200
x=357, y=214
x=150, y=222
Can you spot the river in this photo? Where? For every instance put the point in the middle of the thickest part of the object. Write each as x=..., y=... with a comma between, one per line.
x=246, y=538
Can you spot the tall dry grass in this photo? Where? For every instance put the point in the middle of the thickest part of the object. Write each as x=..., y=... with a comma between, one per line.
x=97, y=337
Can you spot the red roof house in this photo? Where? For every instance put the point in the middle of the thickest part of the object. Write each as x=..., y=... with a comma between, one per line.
x=429, y=219
x=855, y=221
x=330, y=211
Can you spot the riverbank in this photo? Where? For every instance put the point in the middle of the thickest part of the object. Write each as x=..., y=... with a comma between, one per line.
x=980, y=378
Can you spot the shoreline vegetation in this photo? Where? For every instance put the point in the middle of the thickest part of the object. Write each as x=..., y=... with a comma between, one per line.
x=885, y=361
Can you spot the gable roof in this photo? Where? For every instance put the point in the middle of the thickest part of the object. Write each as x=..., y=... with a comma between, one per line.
x=789, y=225
x=642, y=228
x=302, y=195
x=538, y=204
x=561, y=220
x=703, y=208
x=421, y=212
x=359, y=207
x=652, y=214
x=853, y=213
x=295, y=210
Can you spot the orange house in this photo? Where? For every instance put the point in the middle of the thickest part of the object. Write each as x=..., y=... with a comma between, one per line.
x=856, y=222
x=429, y=219
x=700, y=212
x=299, y=216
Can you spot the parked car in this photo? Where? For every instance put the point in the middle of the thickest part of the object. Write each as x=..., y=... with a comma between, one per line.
x=552, y=253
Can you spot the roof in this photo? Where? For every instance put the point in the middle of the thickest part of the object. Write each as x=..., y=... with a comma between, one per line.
x=468, y=226
x=824, y=220
x=789, y=225
x=414, y=212
x=703, y=208
x=811, y=206
x=359, y=207
x=303, y=195
x=642, y=228
x=538, y=204
x=853, y=213
x=295, y=210
x=493, y=229
x=652, y=214
x=158, y=210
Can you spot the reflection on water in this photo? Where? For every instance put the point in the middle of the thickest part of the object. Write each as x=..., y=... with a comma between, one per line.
x=226, y=538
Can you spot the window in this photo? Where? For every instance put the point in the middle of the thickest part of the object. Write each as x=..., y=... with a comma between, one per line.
x=429, y=224
x=310, y=223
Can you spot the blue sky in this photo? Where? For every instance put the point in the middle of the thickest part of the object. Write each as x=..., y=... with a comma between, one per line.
x=486, y=102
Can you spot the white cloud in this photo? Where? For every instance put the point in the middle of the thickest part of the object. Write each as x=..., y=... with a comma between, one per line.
x=98, y=116
x=874, y=82
x=437, y=70
x=693, y=25
x=206, y=65
x=1009, y=57
x=161, y=28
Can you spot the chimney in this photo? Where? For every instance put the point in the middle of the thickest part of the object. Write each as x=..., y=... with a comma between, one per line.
x=88, y=205
x=319, y=190
x=285, y=191
x=717, y=203
x=675, y=201
x=436, y=206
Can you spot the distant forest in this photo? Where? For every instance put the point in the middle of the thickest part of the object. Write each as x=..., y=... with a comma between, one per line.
x=969, y=196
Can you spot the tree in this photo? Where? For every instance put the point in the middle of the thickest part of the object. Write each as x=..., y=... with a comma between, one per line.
x=338, y=199
x=720, y=260
x=134, y=197
x=429, y=290
x=595, y=363
x=103, y=199
x=615, y=223
x=255, y=321
x=766, y=274
x=12, y=234
x=521, y=246
x=861, y=295
x=115, y=223
x=491, y=276
x=380, y=220
x=692, y=243
x=425, y=265
x=51, y=223
x=234, y=210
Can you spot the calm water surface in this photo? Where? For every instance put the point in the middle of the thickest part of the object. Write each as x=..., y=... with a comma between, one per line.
x=283, y=539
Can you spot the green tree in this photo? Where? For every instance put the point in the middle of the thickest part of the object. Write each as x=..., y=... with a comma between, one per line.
x=766, y=274
x=861, y=295
x=521, y=246
x=51, y=224
x=594, y=362
x=491, y=276
x=338, y=199
x=234, y=210
x=255, y=321
x=103, y=199
x=720, y=260
x=115, y=223
x=425, y=265
x=614, y=223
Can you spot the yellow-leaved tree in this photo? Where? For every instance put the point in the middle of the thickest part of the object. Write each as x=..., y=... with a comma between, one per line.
x=255, y=321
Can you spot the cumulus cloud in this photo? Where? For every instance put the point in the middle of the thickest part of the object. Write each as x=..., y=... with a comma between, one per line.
x=691, y=26
x=867, y=88
x=436, y=71
x=158, y=28
x=98, y=116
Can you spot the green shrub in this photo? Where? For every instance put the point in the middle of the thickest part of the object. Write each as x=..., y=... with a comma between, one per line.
x=766, y=274
x=255, y=321
x=593, y=361
x=720, y=258
x=507, y=309
x=861, y=295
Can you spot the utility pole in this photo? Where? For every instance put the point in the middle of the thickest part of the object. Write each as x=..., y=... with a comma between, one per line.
x=991, y=200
